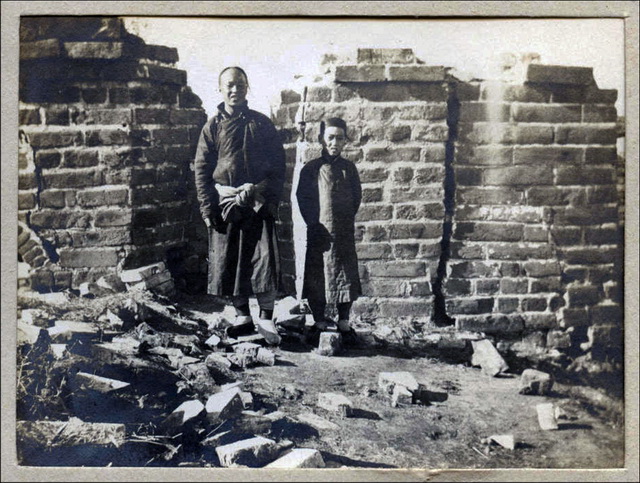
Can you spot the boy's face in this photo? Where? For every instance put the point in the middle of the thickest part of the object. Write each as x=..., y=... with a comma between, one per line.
x=334, y=140
x=233, y=87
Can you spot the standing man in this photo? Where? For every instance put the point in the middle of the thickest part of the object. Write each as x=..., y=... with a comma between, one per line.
x=239, y=174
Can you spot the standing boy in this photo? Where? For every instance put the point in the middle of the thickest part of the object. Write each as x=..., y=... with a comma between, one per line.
x=329, y=195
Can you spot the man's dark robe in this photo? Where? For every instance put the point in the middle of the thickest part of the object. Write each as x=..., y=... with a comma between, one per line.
x=232, y=151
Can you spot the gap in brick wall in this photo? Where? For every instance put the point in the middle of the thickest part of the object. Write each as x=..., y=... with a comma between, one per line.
x=453, y=113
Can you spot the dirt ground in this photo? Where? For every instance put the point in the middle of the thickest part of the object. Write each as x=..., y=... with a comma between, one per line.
x=468, y=406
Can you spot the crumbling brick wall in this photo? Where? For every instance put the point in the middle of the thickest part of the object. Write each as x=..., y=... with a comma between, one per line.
x=108, y=130
x=488, y=205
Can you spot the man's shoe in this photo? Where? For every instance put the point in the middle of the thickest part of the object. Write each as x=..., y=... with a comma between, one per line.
x=267, y=329
x=242, y=325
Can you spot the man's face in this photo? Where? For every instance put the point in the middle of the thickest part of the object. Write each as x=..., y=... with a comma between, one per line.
x=233, y=87
x=334, y=140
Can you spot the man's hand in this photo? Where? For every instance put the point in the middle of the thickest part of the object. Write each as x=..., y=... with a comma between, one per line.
x=217, y=223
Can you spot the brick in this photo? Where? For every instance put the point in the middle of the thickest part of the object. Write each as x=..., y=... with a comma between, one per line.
x=547, y=155
x=119, y=95
x=518, y=176
x=27, y=181
x=573, y=318
x=469, y=306
x=586, y=216
x=397, y=269
x=523, y=214
x=488, y=358
x=47, y=159
x=524, y=93
x=72, y=179
x=488, y=231
x=484, y=111
x=534, y=304
x=417, y=308
x=556, y=74
x=397, y=134
x=453, y=287
x=581, y=296
x=152, y=116
x=29, y=116
x=542, y=269
x=536, y=234
x=38, y=92
x=289, y=96
x=190, y=117
x=573, y=274
x=406, y=250
x=166, y=75
x=402, y=92
x=94, y=50
x=491, y=324
x=600, y=155
x=435, y=111
x=434, y=153
x=26, y=201
x=52, y=139
x=603, y=194
x=372, y=195
x=153, y=95
x=557, y=339
x=53, y=199
x=601, y=96
x=556, y=196
x=606, y=314
x=586, y=134
x=488, y=196
x=602, y=236
x=112, y=218
x=375, y=175
x=533, y=382
x=403, y=195
x=77, y=257
x=415, y=231
x=254, y=452
x=319, y=94
x=94, y=95
x=329, y=344
x=107, y=137
x=519, y=252
x=393, y=154
x=420, y=289
x=81, y=158
x=510, y=286
x=507, y=305
x=546, y=113
x=549, y=284
x=468, y=176
x=223, y=405
x=374, y=212
x=386, y=56
x=403, y=175
x=386, y=288
x=419, y=212
x=472, y=269
x=417, y=73
x=299, y=458
x=39, y=49
x=372, y=251
x=359, y=73
x=491, y=155
x=599, y=113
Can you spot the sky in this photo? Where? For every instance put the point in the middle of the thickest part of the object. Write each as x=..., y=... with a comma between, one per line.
x=275, y=52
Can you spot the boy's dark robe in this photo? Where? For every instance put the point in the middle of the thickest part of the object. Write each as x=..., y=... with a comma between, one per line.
x=243, y=252
x=329, y=195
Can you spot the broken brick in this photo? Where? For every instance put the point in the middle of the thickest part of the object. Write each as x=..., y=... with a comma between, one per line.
x=266, y=357
x=299, y=458
x=487, y=357
x=223, y=405
x=184, y=413
x=66, y=330
x=335, y=403
x=533, y=382
x=254, y=452
x=546, y=416
x=401, y=396
x=330, y=343
x=246, y=354
x=37, y=317
x=317, y=422
x=388, y=380
x=98, y=383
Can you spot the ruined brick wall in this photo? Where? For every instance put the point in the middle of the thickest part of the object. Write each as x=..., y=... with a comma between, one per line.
x=488, y=205
x=108, y=129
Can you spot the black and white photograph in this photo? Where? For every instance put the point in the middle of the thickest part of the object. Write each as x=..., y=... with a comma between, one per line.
x=306, y=243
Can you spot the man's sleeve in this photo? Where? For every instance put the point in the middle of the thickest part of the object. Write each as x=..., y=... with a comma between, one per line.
x=307, y=196
x=205, y=163
x=275, y=154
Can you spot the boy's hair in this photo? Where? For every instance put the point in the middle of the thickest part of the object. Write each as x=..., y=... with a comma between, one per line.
x=333, y=122
x=233, y=67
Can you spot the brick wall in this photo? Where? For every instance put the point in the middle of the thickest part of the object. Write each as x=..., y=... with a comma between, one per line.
x=487, y=205
x=108, y=130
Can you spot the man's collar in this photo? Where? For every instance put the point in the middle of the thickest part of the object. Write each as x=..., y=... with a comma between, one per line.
x=225, y=115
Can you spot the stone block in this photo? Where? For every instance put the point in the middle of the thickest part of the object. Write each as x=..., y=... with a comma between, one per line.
x=142, y=273
x=69, y=434
x=416, y=231
x=55, y=139
x=587, y=134
x=581, y=296
x=223, y=405
x=488, y=231
x=557, y=339
x=488, y=358
x=518, y=176
x=541, y=269
x=99, y=384
x=386, y=56
x=66, y=331
x=599, y=113
x=39, y=49
x=299, y=458
x=360, y=73
x=335, y=403
x=369, y=212
x=557, y=74
x=484, y=111
x=330, y=343
x=533, y=382
x=546, y=416
x=94, y=50
x=470, y=305
x=317, y=422
x=85, y=257
x=536, y=155
x=387, y=381
x=546, y=113
x=417, y=73
x=266, y=357
x=253, y=452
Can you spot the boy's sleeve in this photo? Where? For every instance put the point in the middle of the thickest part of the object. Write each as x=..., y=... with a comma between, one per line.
x=205, y=163
x=356, y=188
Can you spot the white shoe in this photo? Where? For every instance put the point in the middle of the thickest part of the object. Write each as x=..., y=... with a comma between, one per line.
x=267, y=329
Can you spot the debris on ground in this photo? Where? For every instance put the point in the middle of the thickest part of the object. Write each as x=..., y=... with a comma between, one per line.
x=299, y=458
x=504, y=440
x=533, y=382
x=335, y=403
x=330, y=343
x=546, y=416
x=488, y=358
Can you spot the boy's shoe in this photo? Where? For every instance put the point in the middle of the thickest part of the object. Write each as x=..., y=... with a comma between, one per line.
x=242, y=325
x=267, y=329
